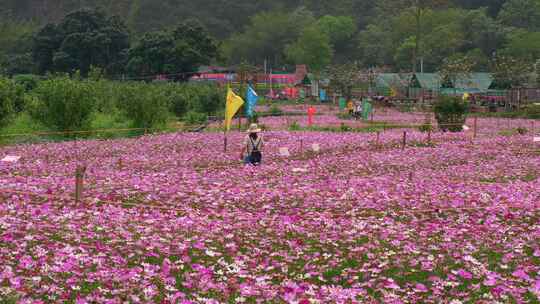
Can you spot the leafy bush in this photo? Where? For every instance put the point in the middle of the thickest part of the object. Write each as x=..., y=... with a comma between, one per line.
x=425, y=127
x=108, y=121
x=294, y=126
x=254, y=118
x=22, y=123
x=200, y=98
x=146, y=104
x=450, y=113
x=11, y=98
x=27, y=81
x=62, y=104
x=522, y=131
x=344, y=128
x=275, y=110
x=532, y=111
x=194, y=118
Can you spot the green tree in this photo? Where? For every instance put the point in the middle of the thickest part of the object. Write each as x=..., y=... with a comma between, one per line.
x=344, y=77
x=266, y=36
x=178, y=52
x=313, y=48
x=524, y=44
x=521, y=13
x=62, y=104
x=11, y=99
x=340, y=29
x=457, y=67
x=510, y=72
x=83, y=39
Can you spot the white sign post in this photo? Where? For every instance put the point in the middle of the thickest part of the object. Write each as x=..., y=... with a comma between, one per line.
x=11, y=159
x=284, y=152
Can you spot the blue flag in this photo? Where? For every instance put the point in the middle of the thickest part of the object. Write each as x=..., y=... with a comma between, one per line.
x=322, y=95
x=252, y=99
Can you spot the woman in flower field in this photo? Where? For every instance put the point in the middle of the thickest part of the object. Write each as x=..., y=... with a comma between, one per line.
x=253, y=144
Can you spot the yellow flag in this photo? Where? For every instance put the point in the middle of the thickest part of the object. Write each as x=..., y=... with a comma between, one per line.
x=466, y=96
x=234, y=102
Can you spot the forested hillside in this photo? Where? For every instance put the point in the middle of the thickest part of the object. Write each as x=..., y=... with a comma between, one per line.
x=395, y=34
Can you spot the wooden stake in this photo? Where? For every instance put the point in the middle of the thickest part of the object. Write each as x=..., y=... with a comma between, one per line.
x=225, y=142
x=301, y=145
x=475, y=127
x=404, y=140
x=429, y=135
x=79, y=183
x=377, y=141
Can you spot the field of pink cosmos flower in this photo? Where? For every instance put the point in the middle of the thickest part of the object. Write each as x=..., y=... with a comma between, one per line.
x=173, y=219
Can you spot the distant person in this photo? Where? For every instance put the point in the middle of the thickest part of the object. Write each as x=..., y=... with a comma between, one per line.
x=350, y=107
x=358, y=110
x=253, y=144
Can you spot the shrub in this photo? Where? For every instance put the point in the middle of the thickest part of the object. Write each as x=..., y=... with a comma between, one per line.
x=344, y=128
x=294, y=126
x=200, y=98
x=11, y=98
x=522, y=131
x=146, y=104
x=108, y=121
x=532, y=111
x=254, y=118
x=62, y=104
x=275, y=110
x=450, y=113
x=426, y=127
x=28, y=82
x=194, y=118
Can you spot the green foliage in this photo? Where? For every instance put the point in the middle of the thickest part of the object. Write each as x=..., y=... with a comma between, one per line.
x=340, y=29
x=266, y=35
x=509, y=71
x=82, y=39
x=345, y=128
x=104, y=123
x=426, y=127
x=532, y=111
x=456, y=67
x=195, y=118
x=176, y=52
x=254, y=118
x=28, y=82
x=521, y=13
x=62, y=104
x=11, y=99
x=450, y=113
x=146, y=104
x=524, y=45
x=275, y=110
x=313, y=48
x=294, y=126
x=343, y=78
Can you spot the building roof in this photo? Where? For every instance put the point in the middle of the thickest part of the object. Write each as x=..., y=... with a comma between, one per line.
x=389, y=80
x=479, y=82
x=429, y=81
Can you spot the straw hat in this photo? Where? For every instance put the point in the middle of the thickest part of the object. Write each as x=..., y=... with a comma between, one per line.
x=253, y=128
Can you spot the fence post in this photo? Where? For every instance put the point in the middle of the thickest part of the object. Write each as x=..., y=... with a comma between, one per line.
x=302, y=145
x=225, y=141
x=429, y=135
x=532, y=127
x=377, y=141
x=404, y=140
x=79, y=183
x=475, y=132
